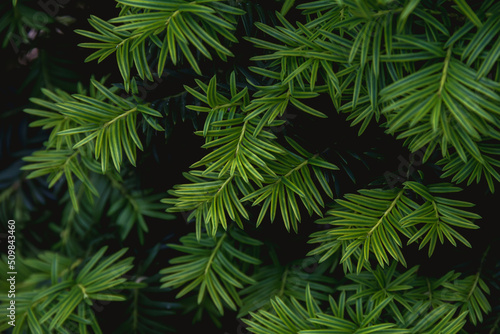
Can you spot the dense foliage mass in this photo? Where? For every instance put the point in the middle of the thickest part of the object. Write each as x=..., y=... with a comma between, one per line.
x=146, y=169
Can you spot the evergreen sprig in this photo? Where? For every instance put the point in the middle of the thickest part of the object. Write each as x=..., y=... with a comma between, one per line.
x=212, y=265
x=173, y=27
x=246, y=155
x=374, y=221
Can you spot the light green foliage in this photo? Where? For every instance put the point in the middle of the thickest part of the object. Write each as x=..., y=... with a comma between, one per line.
x=60, y=158
x=374, y=221
x=112, y=124
x=94, y=125
x=86, y=128
x=432, y=88
x=295, y=318
x=246, y=156
x=470, y=292
x=172, y=27
x=212, y=265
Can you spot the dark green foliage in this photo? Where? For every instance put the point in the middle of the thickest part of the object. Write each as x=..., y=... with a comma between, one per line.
x=16, y=24
x=290, y=280
x=58, y=292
